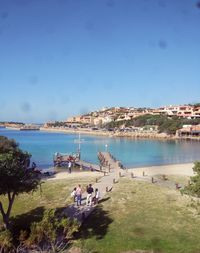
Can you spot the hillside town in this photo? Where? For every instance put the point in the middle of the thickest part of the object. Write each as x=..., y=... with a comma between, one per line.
x=106, y=115
x=136, y=122
x=180, y=121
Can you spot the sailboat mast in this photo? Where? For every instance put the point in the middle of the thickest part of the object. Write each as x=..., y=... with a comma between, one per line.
x=79, y=143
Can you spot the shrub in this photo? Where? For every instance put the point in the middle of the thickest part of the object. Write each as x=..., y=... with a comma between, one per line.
x=6, y=242
x=51, y=233
x=194, y=187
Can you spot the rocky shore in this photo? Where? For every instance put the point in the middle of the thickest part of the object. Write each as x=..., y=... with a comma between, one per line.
x=137, y=135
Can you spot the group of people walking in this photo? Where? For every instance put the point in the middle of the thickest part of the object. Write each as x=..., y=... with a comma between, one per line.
x=92, y=195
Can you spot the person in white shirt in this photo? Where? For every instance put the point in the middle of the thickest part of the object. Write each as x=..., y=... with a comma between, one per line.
x=73, y=194
x=96, y=197
x=70, y=166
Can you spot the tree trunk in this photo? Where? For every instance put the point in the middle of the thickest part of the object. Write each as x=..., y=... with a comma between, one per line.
x=6, y=215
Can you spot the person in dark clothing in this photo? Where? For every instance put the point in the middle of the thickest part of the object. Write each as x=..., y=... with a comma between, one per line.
x=90, y=191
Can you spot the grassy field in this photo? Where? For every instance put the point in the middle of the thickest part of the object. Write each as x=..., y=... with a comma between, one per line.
x=53, y=194
x=135, y=215
x=139, y=215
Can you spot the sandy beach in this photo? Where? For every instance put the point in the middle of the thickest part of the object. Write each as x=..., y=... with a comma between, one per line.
x=172, y=169
x=75, y=131
x=75, y=175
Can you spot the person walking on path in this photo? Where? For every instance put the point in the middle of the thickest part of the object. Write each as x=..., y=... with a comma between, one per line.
x=96, y=197
x=79, y=195
x=90, y=190
x=70, y=166
x=73, y=194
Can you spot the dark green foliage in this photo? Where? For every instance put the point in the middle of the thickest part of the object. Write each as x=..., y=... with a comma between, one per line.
x=59, y=124
x=165, y=123
x=15, y=175
x=140, y=121
x=114, y=124
x=170, y=126
x=7, y=145
x=194, y=187
x=51, y=233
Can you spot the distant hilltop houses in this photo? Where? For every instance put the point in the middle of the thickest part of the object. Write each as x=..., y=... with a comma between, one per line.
x=18, y=126
x=107, y=115
x=177, y=121
x=11, y=124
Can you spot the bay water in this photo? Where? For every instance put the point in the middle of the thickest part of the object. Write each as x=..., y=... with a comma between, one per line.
x=131, y=152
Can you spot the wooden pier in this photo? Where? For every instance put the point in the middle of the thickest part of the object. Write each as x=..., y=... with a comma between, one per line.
x=90, y=166
x=105, y=161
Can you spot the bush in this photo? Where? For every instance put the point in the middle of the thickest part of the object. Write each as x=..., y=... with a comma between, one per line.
x=194, y=188
x=6, y=242
x=52, y=233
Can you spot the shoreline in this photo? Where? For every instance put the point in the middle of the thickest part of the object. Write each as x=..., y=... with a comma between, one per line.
x=143, y=135
x=173, y=169
x=181, y=169
x=132, y=135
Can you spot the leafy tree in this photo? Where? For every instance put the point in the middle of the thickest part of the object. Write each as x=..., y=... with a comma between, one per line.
x=194, y=187
x=7, y=144
x=15, y=175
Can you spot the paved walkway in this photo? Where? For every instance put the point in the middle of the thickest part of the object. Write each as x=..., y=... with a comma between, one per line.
x=104, y=185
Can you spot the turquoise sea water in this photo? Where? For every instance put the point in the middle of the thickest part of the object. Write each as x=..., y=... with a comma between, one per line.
x=131, y=152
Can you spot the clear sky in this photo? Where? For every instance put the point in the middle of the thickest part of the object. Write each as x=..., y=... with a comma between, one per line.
x=66, y=57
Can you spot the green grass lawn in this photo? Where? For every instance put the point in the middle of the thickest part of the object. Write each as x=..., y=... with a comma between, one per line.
x=183, y=180
x=53, y=194
x=135, y=215
x=139, y=215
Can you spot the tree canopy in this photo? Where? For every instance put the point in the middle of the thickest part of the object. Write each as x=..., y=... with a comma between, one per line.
x=15, y=174
x=7, y=145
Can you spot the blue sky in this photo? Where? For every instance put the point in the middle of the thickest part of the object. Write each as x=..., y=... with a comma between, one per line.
x=65, y=57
